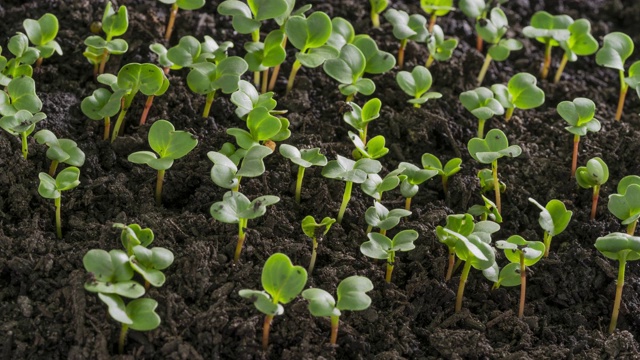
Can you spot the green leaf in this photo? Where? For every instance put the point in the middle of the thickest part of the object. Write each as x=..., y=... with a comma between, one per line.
x=310, y=32
x=205, y=78
x=377, y=61
x=481, y=104
x=43, y=30
x=595, y=173
x=403, y=241
x=305, y=158
x=437, y=7
x=111, y=273
x=61, y=150
x=547, y=28
x=186, y=53
x=235, y=206
x=378, y=216
x=348, y=67
x=190, y=4
x=493, y=28
x=407, y=27
x=115, y=23
x=378, y=246
x=516, y=245
x=142, y=312
x=626, y=205
x=580, y=42
x=509, y=276
x=262, y=125
x=554, y=217
x=116, y=306
x=440, y=48
x=242, y=20
x=169, y=143
x=619, y=246
x=47, y=188
x=262, y=302
x=579, y=113
x=246, y=98
x=21, y=122
x=524, y=92
x=352, y=293
x=473, y=8
x=494, y=146
x=253, y=161
x=147, y=78
x=281, y=279
x=316, y=230
x=20, y=95
x=348, y=170
x=267, y=9
x=321, y=303
x=68, y=178
x=378, y=6
x=100, y=104
x=149, y=262
x=375, y=186
x=342, y=33
x=616, y=49
x=18, y=44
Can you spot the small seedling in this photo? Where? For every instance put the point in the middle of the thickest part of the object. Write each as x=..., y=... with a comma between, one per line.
x=377, y=61
x=377, y=7
x=492, y=30
x=51, y=188
x=487, y=211
x=264, y=55
x=360, y=117
x=282, y=282
x=235, y=208
x=342, y=33
x=351, y=296
x=42, y=33
x=431, y=162
x=378, y=216
x=179, y=4
x=439, y=48
x=520, y=93
x=348, y=69
x=169, y=145
x=190, y=50
x=482, y=104
x=264, y=128
x=411, y=177
x=304, y=159
x=593, y=176
x=20, y=95
x=247, y=98
x=417, y=84
x=231, y=165
x=477, y=10
x=22, y=124
x=99, y=49
x=551, y=31
x=64, y=151
x=579, y=43
x=488, y=150
x=406, y=28
x=625, y=205
x=316, y=233
x=621, y=247
x=485, y=176
x=435, y=8
x=554, y=218
x=579, y=113
x=23, y=57
x=456, y=224
x=102, y=105
x=133, y=235
x=381, y=247
x=525, y=253
x=375, y=185
x=373, y=149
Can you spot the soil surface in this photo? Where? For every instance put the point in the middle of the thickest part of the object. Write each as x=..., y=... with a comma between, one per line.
x=45, y=313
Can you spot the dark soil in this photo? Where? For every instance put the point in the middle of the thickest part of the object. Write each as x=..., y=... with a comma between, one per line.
x=45, y=313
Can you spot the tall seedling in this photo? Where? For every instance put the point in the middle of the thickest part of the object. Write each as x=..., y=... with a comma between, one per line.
x=179, y=4
x=114, y=23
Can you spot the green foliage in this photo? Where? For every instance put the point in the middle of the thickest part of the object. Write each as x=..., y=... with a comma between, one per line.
x=554, y=217
x=619, y=246
x=114, y=23
x=381, y=247
x=509, y=276
x=305, y=157
x=225, y=171
x=594, y=174
x=263, y=55
x=488, y=210
x=625, y=205
x=520, y=93
x=51, y=188
x=377, y=61
x=485, y=176
x=206, y=78
x=20, y=95
x=473, y=250
x=417, y=84
x=111, y=274
x=351, y=296
x=516, y=246
x=22, y=124
x=236, y=206
x=247, y=98
x=431, y=162
x=407, y=27
x=133, y=235
x=168, y=144
x=262, y=127
x=185, y=4
x=309, y=35
x=439, y=48
x=342, y=33
x=61, y=150
x=456, y=224
x=616, y=48
x=23, y=57
x=348, y=69
x=375, y=185
x=481, y=103
x=580, y=42
x=633, y=80
x=42, y=33
x=474, y=9
x=378, y=6
x=549, y=29
x=101, y=104
x=316, y=230
x=492, y=30
x=348, y=170
x=360, y=117
x=437, y=7
x=247, y=19
x=411, y=177
x=494, y=146
x=378, y=216
x=579, y=113
x=187, y=52
x=150, y=262
x=374, y=149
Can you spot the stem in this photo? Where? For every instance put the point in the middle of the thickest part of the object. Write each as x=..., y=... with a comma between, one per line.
x=145, y=112
x=479, y=43
x=619, y=286
x=363, y=135
x=123, y=338
x=116, y=128
x=560, y=70
x=276, y=70
x=335, y=322
x=432, y=22
x=172, y=20
x=429, y=61
x=265, y=80
x=292, y=76
x=523, y=285
x=345, y=200
x=594, y=201
x=107, y=128
x=452, y=260
x=403, y=45
x=574, y=160
x=299, y=183
x=485, y=67
x=25, y=144
x=547, y=61
x=314, y=253
x=159, y=187
x=547, y=243
x=623, y=93
x=390, y=263
x=39, y=62
x=349, y=97
x=407, y=204
x=265, y=332
x=383, y=232
x=631, y=228
x=375, y=19
x=481, y=127
x=445, y=184
x=242, y=224
x=496, y=184
x=96, y=70
x=53, y=167
x=416, y=105
x=463, y=281
x=58, y=204
x=207, y=104
x=103, y=61
x=509, y=114
x=369, y=229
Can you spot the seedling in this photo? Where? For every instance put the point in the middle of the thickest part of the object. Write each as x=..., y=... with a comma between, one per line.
x=342, y=33
x=488, y=150
x=190, y=51
x=492, y=30
x=406, y=28
x=477, y=10
x=235, y=208
x=264, y=128
x=304, y=159
x=375, y=185
x=64, y=151
x=579, y=43
x=282, y=282
x=231, y=165
x=133, y=235
x=247, y=98
x=377, y=7
x=411, y=177
x=350, y=172
x=525, y=253
x=417, y=84
x=579, y=113
x=264, y=55
x=377, y=61
x=625, y=205
x=169, y=145
x=23, y=57
x=452, y=167
x=113, y=24
x=179, y=4
x=485, y=176
x=22, y=124
x=481, y=103
x=381, y=247
x=51, y=188
x=360, y=117
x=439, y=48
x=520, y=93
x=456, y=224
x=487, y=211
x=102, y=105
x=351, y=296
x=316, y=232
x=20, y=108
x=621, y=247
x=435, y=8
x=593, y=176
x=374, y=149
x=551, y=31
x=162, y=59
x=42, y=33
x=348, y=70
x=378, y=216
x=554, y=218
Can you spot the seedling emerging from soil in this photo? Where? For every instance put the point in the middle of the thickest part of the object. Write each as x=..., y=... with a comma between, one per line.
x=525, y=253
x=235, y=208
x=316, y=233
x=417, y=84
x=488, y=211
x=621, y=247
x=378, y=216
x=102, y=105
x=247, y=98
x=521, y=92
x=492, y=30
x=264, y=55
x=22, y=124
x=51, y=188
x=350, y=172
x=348, y=69
x=231, y=165
x=481, y=103
x=411, y=177
x=20, y=95
x=304, y=159
x=113, y=24
x=406, y=28
x=381, y=247
x=263, y=128
x=431, y=162
x=20, y=65
x=435, y=8
x=579, y=43
x=179, y=4
x=439, y=48
x=360, y=117
x=133, y=235
x=625, y=205
x=488, y=150
x=554, y=218
x=374, y=149
x=377, y=7
x=456, y=224
x=169, y=145
x=351, y=296
x=42, y=33
x=282, y=282
x=375, y=185
x=485, y=176
x=477, y=10
x=579, y=113
x=60, y=150
x=593, y=176
x=150, y=262
x=551, y=31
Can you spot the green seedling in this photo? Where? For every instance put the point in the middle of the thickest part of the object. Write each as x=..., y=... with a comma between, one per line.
x=42, y=33
x=102, y=105
x=100, y=49
x=417, y=84
x=231, y=165
x=162, y=59
x=492, y=30
x=235, y=208
x=377, y=61
x=304, y=158
x=133, y=235
x=406, y=28
x=477, y=10
x=435, y=8
x=579, y=113
x=378, y=216
x=461, y=224
x=381, y=247
x=439, y=48
x=316, y=233
x=621, y=247
x=452, y=167
x=579, y=43
x=190, y=51
x=179, y=4
x=348, y=69
x=282, y=282
x=247, y=98
x=521, y=92
x=264, y=55
x=593, y=176
x=485, y=176
x=360, y=117
x=264, y=128
x=525, y=253
x=20, y=94
x=59, y=151
x=551, y=31
x=351, y=296
x=22, y=124
x=487, y=211
x=625, y=205
x=23, y=57
x=373, y=149
x=350, y=172
x=411, y=177
x=554, y=218
x=377, y=7
x=508, y=276
x=51, y=188
x=488, y=150
x=482, y=104
x=375, y=185
x=169, y=145
x=342, y=33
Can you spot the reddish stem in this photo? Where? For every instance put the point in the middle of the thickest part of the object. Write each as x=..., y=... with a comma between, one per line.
x=145, y=112
x=574, y=161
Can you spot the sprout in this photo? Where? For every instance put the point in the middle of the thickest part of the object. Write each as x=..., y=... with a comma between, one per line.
x=247, y=98
x=521, y=92
x=235, y=208
x=351, y=296
x=377, y=7
x=485, y=176
x=282, y=282
x=406, y=28
x=625, y=205
x=461, y=224
x=99, y=49
x=133, y=235
x=551, y=31
x=579, y=113
x=360, y=117
x=262, y=56
x=439, y=48
x=553, y=219
x=378, y=216
x=23, y=57
x=411, y=177
x=430, y=162
x=169, y=145
x=51, y=188
x=593, y=176
x=374, y=149
x=42, y=33
x=264, y=128
x=482, y=104
x=348, y=69
x=381, y=247
x=477, y=10
x=19, y=107
x=375, y=186
x=179, y=4
x=342, y=33
x=377, y=61
x=102, y=105
x=492, y=30
x=303, y=158
x=60, y=150
x=231, y=165
x=22, y=124
x=486, y=211
x=435, y=8
x=316, y=232
x=579, y=43
x=417, y=84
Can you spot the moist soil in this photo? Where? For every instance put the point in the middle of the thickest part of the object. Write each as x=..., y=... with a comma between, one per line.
x=45, y=313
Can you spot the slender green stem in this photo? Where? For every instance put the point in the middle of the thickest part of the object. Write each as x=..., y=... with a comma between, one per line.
x=369, y=229
x=481, y=123
x=523, y=285
x=508, y=114
x=350, y=97
x=432, y=21
x=345, y=200
x=594, y=201
x=276, y=70
x=172, y=20
x=123, y=338
x=631, y=228
x=255, y=36
x=390, y=264
x=618, y=300
x=107, y=128
x=483, y=70
x=58, y=203
x=237, y=188
x=265, y=81
x=375, y=19
x=292, y=76
x=335, y=323
x=623, y=94
x=207, y=104
x=123, y=112
x=242, y=226
x=560, y=70
x=299, y=183
x=159, y=187
x=429, y=62
x=363, y=135
x=496, y=184
x=314, y=253
x=407, y=204
x=145, y=111
x=53, y=167
x=547, y=243
x=416, y=105
x=445, y=184
x=463, y=281
x=25, y=144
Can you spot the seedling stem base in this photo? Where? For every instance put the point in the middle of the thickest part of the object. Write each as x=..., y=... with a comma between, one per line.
x=145, y=112
x=345, y=200
x=375, y=19
x=496, y=185
x=172, y=20
x=523, y=285
x=266, y=327
x=53, y=167
x=242, y=226
x=452, y=261
x=574, y=160
x=25, y=145
x=159, y=187
x=107, y=128
x=265, y=81
x=594, y=201
x=314, y=253
x=560, y=70
x=481, y=127
x=207, y=104
x=335, y=323
x=299, y=183
x=429, y=62
x=58, y=204
x=547, y=243
x=403, y=45
x=292, y=76
x=631, y=228
x=432, y=22
x=407, y=204
x=123, y=338
x=623, y=94
x=619, y=286
x=463, y=281
x=547, y=61
x=508, y=114
x=483, y=70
